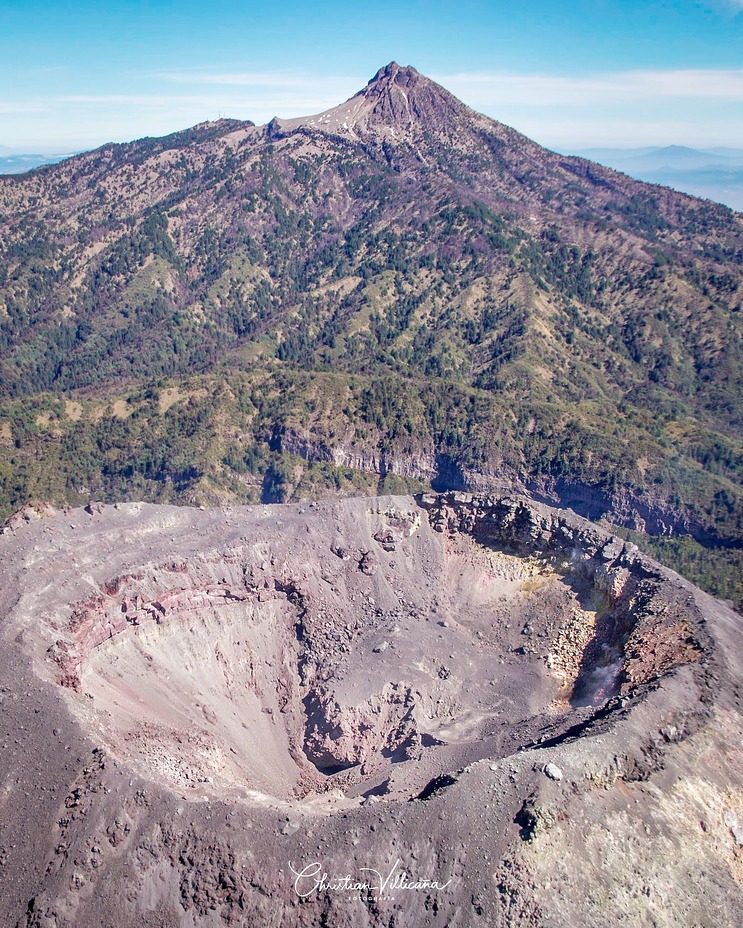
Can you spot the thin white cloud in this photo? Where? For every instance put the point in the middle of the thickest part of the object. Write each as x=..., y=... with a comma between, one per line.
x=502, y=88
x=21, y=107
x=142, y=99
x=192, y=108
x=287, y=86
x=632, y=107
x=258, y=96
x=245, y=79
x=557, y=131
x=478, y=88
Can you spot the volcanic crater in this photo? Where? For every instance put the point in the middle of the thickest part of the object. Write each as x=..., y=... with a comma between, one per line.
x=326, y=655
x=478, y=690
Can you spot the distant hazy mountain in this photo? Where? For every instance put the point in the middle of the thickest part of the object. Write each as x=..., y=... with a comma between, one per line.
x=715, y=173
x=16, y=163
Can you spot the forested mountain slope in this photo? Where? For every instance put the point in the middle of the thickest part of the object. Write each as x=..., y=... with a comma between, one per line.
x=399, y=291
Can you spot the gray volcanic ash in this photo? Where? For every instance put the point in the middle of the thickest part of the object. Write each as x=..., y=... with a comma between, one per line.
x=193, y=700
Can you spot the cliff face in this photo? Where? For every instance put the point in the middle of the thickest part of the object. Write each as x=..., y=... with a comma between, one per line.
x=622, y=506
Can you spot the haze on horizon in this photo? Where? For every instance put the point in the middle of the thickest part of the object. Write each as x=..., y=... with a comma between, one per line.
x=589, y=73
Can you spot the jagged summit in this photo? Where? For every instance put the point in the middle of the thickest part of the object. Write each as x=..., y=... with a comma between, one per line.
x=395, y=101
x=403, y=77
x=400, y=93
x=392, y=70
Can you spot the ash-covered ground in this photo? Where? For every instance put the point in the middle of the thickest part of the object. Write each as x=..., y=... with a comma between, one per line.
x=463, y=711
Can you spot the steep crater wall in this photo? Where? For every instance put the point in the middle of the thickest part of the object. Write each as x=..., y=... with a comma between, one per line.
x=367, y=649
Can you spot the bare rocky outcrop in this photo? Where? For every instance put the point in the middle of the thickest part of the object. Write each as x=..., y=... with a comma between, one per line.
x=623, y=506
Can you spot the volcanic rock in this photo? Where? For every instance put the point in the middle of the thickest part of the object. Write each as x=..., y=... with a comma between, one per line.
x=176, y=731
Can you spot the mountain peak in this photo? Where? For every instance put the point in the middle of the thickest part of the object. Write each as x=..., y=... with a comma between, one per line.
x=395, y=101
x=394, y=72
x=401, y=96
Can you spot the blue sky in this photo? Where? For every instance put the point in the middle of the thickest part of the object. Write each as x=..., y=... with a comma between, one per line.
x=569, y=73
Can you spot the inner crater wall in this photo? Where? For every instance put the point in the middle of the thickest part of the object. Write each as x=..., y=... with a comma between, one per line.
x=307, y=657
